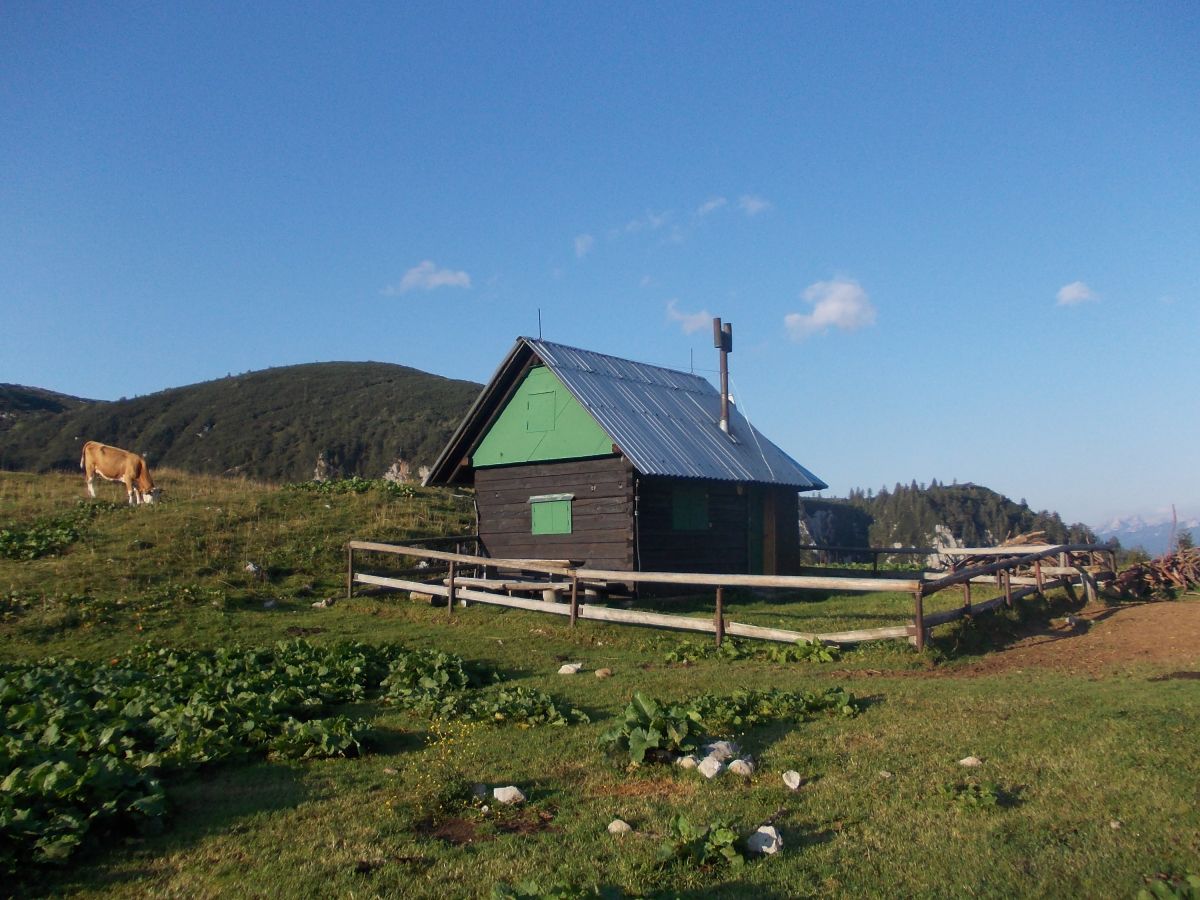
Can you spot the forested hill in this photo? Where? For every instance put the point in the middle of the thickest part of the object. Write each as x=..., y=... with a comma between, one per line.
x=911, y=515
x=273, y=424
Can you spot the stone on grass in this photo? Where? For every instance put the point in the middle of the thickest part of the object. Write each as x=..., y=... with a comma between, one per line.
x=742, y=767
x=509, y=795
x=1115, y=824
x=721, y=750
x=570, y=668
x=324, y=604
x=619, y=826
x=604, y=673
x=971, y=762
x=687, y=762
x=765, y=842
x=792, y=779
x=710, y=767
x=884, y=773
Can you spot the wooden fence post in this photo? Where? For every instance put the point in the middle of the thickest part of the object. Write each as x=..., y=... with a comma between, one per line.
x=349, y=572
x=919, y=619
x=967, y=597
x=450, y=592
x=719, y=617
x=1041, y=584
x=1008, y=598
x=574, y=599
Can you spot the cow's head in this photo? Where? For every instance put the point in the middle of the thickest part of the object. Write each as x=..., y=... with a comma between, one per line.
x=151, y=495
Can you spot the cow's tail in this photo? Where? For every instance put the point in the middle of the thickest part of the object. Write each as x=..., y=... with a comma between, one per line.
x=82, y=457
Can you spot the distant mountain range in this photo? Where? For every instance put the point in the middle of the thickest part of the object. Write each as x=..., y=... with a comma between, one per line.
x=1151, y=534
x=356, y=418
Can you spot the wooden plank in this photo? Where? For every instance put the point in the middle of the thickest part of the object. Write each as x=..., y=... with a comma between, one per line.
x=795, y=582
x=1017, y=549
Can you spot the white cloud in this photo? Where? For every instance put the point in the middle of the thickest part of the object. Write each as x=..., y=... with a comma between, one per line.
x=651, y=221
x=710, y=206
x=1075, y=292
x=583, y=245
x=427, y=277
x=752, y=204
x=840, y=304
x=689, y=322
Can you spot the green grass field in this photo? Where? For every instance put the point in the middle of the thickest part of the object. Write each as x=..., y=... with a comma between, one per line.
x=1065, y=757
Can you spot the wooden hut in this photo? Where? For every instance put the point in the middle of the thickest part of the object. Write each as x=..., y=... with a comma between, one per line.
x=620, y=465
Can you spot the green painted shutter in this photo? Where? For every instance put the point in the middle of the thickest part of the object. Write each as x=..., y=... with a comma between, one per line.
x=689, y=507
x=550, y=514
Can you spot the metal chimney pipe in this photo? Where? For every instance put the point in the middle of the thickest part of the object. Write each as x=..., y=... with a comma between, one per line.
x=723, y=341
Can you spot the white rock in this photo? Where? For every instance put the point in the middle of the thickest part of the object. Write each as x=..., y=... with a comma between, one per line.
x=687, y=762
x=604, y=673
x=619, y=826
x=971, y=762
x=765, y=842
x=742, y=767
x=570, y=668
x=884, y=773
x=252, y=568
x=710, y=767
x=792, y=779
x=509, y=795
x=1115, y=824
x=485, y=809
x=721, y=750
x=323, y=604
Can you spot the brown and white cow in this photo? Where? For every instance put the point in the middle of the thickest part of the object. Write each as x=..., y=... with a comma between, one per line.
x=114, y=464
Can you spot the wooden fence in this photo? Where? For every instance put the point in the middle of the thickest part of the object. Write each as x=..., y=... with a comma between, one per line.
x=1018, y=572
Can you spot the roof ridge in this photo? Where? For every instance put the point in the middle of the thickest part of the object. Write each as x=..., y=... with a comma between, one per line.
x=535, y=342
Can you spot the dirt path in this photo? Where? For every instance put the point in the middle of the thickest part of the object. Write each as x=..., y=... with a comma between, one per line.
x=1163, y=636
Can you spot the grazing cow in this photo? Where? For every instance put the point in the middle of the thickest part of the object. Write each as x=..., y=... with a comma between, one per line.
x=113, y=464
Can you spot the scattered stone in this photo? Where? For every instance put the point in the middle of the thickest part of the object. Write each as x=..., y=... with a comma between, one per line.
x=687, y=762
x=765, y=842
x=390, y=771
x=710, y=767
x=792, y=779
x=508, y=795
x=742, y=767
x=324, y=604
x=604, y=673
x=270, y=604
x=570, y=668
x=722, y=750
x=885, y=774
x=1115, y=824
x=619, y=826
x=971, y=762
x=485, y=809
x=252, y=568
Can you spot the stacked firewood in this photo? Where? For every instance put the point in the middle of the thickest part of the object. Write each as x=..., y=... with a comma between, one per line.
x=1016, y=541
x=1171, y=572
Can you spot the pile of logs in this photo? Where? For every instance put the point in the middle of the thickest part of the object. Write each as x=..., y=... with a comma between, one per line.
x=1171, y=572
x=1016, y=541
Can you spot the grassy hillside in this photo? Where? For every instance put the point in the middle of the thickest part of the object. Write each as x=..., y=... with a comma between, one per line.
x=1087, y=787
x=271, y=424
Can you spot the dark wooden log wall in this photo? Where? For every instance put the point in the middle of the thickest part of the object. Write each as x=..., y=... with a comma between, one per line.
x=724, y=547
x=721, y=548
x=602, y=511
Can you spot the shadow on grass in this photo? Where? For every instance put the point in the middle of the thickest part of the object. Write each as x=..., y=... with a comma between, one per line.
x=217, y=800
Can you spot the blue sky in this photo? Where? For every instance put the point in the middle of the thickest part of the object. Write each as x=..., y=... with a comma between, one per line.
x=956, y=241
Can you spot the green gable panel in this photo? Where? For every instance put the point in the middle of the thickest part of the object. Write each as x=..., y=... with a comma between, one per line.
x=541, y=422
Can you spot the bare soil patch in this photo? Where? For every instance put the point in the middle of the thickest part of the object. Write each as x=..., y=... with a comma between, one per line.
x=1110, y=639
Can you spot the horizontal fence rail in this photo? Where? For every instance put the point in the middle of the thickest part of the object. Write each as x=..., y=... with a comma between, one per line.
x=1083, y=564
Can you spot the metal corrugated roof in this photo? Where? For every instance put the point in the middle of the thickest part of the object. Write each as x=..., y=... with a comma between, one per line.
x=667, y=422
